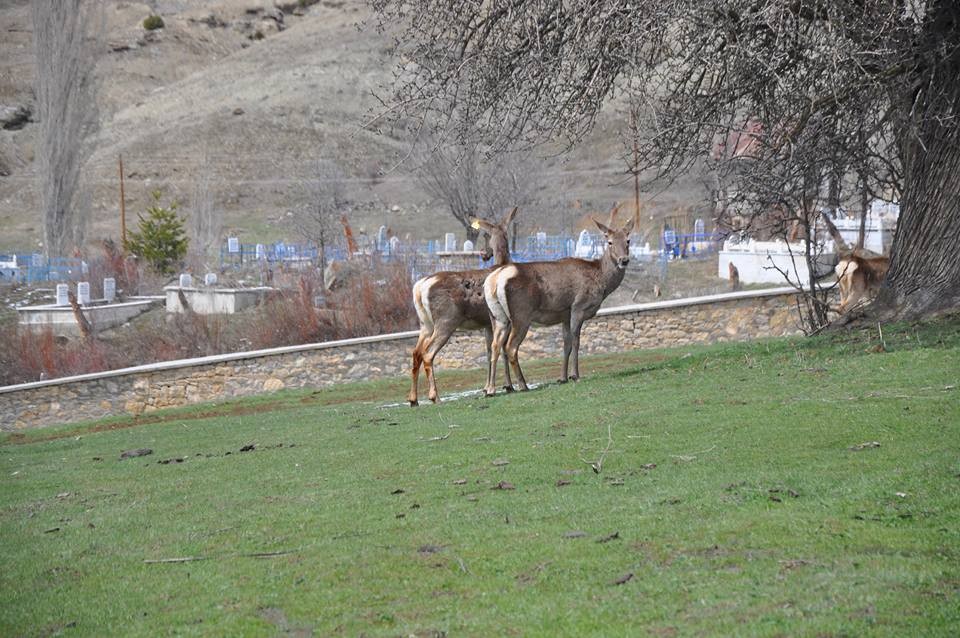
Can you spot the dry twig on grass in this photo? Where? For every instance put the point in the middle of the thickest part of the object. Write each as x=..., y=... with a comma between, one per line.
x=597, y=466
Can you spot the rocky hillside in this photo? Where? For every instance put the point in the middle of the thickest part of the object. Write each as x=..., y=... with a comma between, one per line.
x=251, y=94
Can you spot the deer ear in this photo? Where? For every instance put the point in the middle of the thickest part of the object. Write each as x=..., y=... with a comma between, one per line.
x=481, y=224
x=613, y=213
x=509, y=218
x=603, y=229
x=628, y=227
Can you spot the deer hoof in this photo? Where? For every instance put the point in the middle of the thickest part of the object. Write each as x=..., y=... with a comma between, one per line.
x=561, y=380
x=574, y=377
x=414, y=403
x=508, y=388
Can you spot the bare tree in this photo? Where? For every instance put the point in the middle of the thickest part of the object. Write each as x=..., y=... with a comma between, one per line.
x=874, y=83
x=317, y=220
x=205, y=222
x=472, y=185
x=66, y=52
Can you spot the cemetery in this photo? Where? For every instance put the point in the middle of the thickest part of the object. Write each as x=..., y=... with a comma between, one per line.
x=102, y=314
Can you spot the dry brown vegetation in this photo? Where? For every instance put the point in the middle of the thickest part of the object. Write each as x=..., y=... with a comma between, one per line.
x=375, y=302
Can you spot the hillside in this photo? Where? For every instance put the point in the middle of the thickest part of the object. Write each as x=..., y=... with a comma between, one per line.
x=252, y=95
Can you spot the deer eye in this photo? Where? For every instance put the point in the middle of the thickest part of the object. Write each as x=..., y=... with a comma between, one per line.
x=609, y=243
x=628, y=242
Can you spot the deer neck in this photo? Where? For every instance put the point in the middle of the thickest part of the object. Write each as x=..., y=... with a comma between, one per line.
x=610, y=274
x=501, y=257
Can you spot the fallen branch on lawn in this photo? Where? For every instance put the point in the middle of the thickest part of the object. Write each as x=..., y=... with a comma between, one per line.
x=190, y=559
x=597, y=467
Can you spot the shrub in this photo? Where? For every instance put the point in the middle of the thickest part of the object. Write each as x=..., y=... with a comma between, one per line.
x=152, y=23
x=160, y=239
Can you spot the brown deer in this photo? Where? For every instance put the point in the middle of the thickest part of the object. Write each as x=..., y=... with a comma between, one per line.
x=446, y=301
x=860, y=272
x=859, y=275
x=568, y=292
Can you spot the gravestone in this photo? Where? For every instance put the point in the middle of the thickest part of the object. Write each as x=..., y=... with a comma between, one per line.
x=210, y=279
x=394, y=245
x=83, y=293
x=584, y=244
x=541, y=239
x=698, y=227
x=261, y=252
x=109, y=289
x=233, y=244
x=63, y=295
x=467, y=246
x=571, y=247
x=450, y=242
x=382, y=238
x=186, y=281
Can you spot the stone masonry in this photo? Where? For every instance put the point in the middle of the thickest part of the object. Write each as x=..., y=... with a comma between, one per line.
x=140, y=390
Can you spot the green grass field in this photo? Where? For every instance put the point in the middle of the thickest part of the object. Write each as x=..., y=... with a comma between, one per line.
x=803, y=487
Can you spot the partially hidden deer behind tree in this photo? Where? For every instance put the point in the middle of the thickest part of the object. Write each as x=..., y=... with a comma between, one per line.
x=860, y=272
x=568, y=292
x=451, y=300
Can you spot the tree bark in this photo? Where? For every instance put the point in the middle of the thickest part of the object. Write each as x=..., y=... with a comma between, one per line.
x=924, y=275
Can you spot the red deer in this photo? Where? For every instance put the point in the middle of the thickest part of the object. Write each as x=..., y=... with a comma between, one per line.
x=446, y=301
x=859, y=272
x=859, y=275
x=568, y=292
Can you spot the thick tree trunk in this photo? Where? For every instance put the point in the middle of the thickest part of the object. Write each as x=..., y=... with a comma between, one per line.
x=924, y=275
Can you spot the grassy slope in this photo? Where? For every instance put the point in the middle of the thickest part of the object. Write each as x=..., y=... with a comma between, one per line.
x=758, y=518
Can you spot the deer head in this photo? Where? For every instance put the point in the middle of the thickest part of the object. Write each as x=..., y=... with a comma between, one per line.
x=618, y=243
x=498, y=243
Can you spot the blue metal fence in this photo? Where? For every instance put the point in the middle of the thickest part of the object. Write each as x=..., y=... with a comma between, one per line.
x=32, y=268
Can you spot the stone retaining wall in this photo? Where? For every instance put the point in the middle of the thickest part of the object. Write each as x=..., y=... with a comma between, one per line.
x=134, y=391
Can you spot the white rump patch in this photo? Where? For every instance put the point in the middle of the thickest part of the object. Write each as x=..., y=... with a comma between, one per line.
x=506, y=274
x=421, y=301
x=490, y=295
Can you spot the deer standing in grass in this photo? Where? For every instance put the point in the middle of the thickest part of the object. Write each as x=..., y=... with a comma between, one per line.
x=568, y=292
x=446, y=301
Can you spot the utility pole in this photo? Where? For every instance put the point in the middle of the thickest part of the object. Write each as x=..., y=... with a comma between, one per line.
x=123, y=209
x=635, y=125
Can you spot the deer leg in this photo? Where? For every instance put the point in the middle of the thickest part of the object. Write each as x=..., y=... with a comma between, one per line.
x=488, y=333
x=576, y=323
x=496, y=346
x=415, y=369
x=517, y=334
x=567, y=345
x=441, y=334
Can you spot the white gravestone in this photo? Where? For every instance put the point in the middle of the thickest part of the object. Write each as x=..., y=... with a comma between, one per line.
x=394, y=245
x=450, y=242
x=186, y=281
x=210, y=279
x=541, y=239
x=571, y=247
x=109, y=288
x=261, y=252
x=467, y=246
x=382, y=238
x=233, y=244
x=83, y=293
x=584, y=245
x=63, y=295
